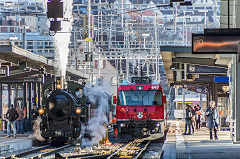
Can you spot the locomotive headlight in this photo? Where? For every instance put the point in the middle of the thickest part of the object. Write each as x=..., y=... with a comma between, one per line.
x=59, y=86
x=40, y=111
x=122, y=125
x=78, y=110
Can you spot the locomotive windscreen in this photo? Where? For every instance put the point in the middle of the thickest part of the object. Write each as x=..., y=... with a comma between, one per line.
x=144, y=97
x=60, y=105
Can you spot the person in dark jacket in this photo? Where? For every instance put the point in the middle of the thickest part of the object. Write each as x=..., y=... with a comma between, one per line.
x=188, y=120
x=198, y=117
x=212, y=119
x=193, y=120
x=34, y=113
x=19, y=120
x=11, y=116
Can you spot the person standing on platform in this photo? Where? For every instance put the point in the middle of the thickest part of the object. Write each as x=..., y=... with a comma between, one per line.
x=193, y=124
x=115, y=131
x=19, y=120
x=188, y=120
x=212, y=119
x=34, y=113
x=11, y=117
x=198, y=117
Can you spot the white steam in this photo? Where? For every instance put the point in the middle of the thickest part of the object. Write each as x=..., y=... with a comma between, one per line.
x=96, y=124
x=62, y=38
x=36, y=129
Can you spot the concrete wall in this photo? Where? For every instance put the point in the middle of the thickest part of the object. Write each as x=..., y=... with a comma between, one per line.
x=15, y=145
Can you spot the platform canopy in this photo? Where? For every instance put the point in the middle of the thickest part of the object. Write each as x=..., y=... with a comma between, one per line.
x=19, y=57
x=182, y=54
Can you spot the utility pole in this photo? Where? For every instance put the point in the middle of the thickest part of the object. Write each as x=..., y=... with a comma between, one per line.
x=201, y=99
x=183, y=103
x=99, y=68
x=127, y=59
x=89, y=50
x=122, y=1
x=24, y=37
x=237, y=99
x=89, y=25
x=139, y=66
x=156, y=46
x=147, y=68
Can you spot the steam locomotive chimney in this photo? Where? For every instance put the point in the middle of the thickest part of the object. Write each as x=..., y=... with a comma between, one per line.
x=60, y=80
x=63, y=82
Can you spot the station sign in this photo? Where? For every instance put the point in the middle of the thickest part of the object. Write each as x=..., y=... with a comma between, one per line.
x=222, y=31
x=32, y=79
x=4, y=71
x=221, y=79
x=202, y=89
x=198, y=69
x=88, y=39
x=215, y=43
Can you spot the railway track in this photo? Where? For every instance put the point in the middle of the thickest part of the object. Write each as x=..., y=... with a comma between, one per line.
x=39, y=152
x=47, y=153
x=133, y=149
x=26, y=153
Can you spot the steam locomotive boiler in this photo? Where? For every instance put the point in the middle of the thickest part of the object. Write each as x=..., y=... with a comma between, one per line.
x=61, y=116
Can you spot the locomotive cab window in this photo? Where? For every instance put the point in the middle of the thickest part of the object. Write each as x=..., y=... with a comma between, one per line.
x=144, y=97
x=59, y=106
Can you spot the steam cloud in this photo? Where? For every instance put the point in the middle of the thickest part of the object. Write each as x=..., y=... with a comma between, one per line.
x=36, y=129
x=96, y=124
x=62, y=38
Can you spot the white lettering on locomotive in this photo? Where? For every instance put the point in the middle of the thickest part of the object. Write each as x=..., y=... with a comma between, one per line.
x=155, y=87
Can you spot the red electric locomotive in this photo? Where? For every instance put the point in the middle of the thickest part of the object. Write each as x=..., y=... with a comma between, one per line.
x=140, y=107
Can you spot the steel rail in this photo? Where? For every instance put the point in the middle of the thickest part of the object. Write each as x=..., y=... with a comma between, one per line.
x=51, y=152
x=89, y=156
x=142, y=150
x=120, y=149
x=25, y=153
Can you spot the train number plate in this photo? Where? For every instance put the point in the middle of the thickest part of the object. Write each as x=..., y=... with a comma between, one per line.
x=155, y=87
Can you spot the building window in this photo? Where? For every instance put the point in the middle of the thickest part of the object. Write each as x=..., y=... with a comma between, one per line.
x=29, y=43
x=12, y=29
x=30, y=47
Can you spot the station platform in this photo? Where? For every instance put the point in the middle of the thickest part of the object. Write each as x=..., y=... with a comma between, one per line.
x=198, y=145
x=10, y=145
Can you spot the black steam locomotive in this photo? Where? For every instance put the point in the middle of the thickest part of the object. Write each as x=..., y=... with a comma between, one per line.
x=64, y=111
x=61, y=116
